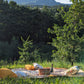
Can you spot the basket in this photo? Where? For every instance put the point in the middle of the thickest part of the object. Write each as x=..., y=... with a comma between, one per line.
x=44, y=71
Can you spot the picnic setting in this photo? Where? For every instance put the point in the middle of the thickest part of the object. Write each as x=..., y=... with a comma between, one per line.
x=37, y=71
x=41, y=41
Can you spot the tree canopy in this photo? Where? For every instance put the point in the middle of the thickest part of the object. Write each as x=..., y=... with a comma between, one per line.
x=69, y=36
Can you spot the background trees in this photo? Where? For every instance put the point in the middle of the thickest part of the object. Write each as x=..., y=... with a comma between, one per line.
x=17, y=21
x=23, y=21
x=68, y=39
x=76, y=1
x=67, y=33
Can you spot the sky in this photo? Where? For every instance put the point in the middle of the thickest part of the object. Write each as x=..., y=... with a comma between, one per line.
x=64, y=1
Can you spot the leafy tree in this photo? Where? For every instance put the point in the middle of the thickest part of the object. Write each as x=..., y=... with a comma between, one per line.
x=27, y=21
x=67, y=41
x=28, y=53
x=1, y=1
x=76, y=1
x=9, y=51
x=25, y=51
x=58, y=16
x=12, y=4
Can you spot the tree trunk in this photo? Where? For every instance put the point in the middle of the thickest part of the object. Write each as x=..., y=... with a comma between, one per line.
x=72, y=63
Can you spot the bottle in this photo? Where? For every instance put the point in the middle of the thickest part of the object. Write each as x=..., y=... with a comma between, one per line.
x=51, y=70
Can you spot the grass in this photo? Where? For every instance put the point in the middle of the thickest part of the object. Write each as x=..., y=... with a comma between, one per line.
x=57, y=64
x=56, y=80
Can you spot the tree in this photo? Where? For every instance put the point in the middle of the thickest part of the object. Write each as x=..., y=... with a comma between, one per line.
x=28, y=52
x=25, y=51
x=12, y=4
x=1, y=1
x=76, y=1
x=8, y=51
x=67, y=40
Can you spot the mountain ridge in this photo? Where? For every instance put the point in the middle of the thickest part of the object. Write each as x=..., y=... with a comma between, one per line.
x=37, y=2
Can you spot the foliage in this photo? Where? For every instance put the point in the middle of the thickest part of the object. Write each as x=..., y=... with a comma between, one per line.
x=9, y=51
x=17, y=21
x=67, y=40
x=76, y=1
x=28, y=52
x=25, y=51
x=27, y=21
x=24, y=22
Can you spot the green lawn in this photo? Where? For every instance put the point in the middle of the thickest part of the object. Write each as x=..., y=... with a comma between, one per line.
x=56, y=80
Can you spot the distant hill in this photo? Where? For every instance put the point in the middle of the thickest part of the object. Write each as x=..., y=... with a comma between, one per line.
x=37, y=2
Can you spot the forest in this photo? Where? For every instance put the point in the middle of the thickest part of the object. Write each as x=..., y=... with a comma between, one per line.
x=50, y=36
x=37, y=34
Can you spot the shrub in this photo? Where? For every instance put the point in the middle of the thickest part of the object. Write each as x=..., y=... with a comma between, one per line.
x=9, y=51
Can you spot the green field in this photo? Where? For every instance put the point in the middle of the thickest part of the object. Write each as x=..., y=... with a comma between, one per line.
x=51, y=80
x=57, y=80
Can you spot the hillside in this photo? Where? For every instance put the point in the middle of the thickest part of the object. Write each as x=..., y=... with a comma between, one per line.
x=37, y=2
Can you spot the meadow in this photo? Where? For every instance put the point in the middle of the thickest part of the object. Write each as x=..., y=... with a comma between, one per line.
x=51, y=80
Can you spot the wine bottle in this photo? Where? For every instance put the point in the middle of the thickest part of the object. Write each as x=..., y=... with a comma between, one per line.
x=51, y=70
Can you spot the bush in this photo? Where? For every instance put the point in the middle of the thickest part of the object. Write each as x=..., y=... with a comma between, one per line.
x=27, y=53
x=9, y=51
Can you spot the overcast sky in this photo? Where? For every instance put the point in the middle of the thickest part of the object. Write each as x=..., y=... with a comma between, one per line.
x=64, y=1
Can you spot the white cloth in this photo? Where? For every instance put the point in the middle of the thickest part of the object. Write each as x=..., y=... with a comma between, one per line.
x=73, y=70
x=37, y=66
x=19, y=73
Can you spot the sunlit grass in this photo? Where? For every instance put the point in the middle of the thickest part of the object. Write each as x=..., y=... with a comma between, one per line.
x=56, y=80
x=56, y=64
